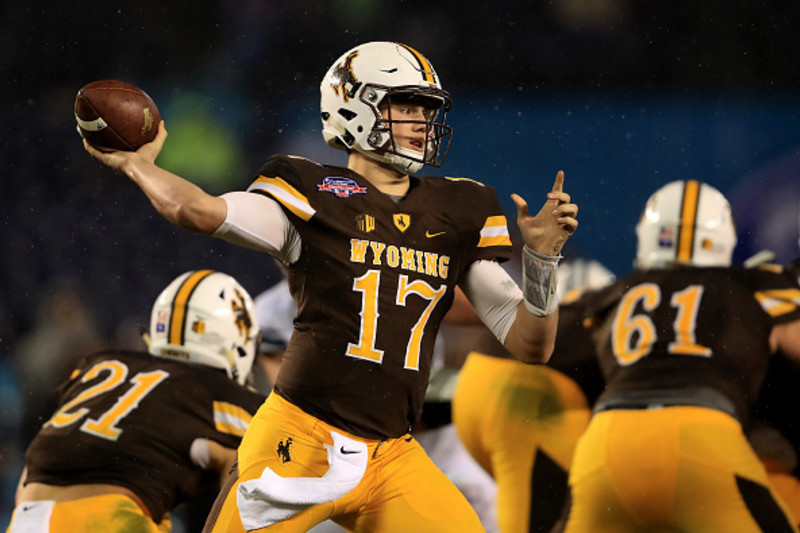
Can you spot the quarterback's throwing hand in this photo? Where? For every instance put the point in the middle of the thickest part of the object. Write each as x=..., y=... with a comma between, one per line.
x=547, y=232
x=117, y=159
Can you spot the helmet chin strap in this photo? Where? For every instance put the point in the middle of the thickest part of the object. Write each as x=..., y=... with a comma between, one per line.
x=232, y=369
x=402, y=163
x=395, y=161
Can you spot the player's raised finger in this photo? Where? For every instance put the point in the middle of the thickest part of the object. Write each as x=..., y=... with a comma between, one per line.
x=558, y=186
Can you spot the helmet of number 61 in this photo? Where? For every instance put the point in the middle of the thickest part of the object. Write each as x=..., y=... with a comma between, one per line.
x=685, y=223
x=357, y=84
x=206, y=317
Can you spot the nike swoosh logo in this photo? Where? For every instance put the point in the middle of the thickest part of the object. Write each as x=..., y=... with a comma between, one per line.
x=348, y=452
x=429, y=235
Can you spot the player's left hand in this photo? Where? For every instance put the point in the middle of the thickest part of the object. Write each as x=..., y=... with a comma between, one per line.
x=547, y=232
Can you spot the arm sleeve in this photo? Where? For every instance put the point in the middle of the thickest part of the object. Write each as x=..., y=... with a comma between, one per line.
x=257, y=221
x=494, y=295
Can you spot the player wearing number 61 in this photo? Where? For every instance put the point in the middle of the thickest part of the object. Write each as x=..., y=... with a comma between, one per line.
x=373, y=256
x=135, y=431
x=684, y=345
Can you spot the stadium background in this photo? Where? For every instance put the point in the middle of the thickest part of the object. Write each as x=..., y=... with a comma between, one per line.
x=623, y=95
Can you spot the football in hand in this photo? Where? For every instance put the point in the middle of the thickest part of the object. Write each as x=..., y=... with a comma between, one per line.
x=116, y=115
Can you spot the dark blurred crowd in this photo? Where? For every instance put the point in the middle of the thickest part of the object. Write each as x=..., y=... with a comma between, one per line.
x=253, y=60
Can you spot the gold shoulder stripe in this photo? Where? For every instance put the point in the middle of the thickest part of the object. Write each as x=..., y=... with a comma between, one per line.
x=495, y=232
x=779, y=301
x=231, y=419
x=287, y=195
x=177, y=322
x=691, y=197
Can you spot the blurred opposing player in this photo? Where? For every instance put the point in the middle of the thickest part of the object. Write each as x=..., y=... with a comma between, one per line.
x=776, y=436
x=684, y=345
x=373, y=256
x=521, y=422
x=275, y=310
x=135, y=432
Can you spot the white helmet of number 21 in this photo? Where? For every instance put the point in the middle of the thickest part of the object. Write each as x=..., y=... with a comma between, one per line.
x=206, y=317
x=685, y=223
x=355, y=93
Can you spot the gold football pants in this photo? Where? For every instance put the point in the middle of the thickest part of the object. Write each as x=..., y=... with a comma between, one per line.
x=110, y=513
x=671, y=469
x=401, y=490
x=521, y=423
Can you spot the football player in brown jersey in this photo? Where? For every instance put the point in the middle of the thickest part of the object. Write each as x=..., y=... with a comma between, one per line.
x=373, y=255
x=135, y=432
x=521, y=422
x=684, y=345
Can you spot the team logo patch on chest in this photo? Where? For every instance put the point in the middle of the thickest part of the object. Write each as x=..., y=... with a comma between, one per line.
x=365, y=223
x=402, y=221
x=341, y=187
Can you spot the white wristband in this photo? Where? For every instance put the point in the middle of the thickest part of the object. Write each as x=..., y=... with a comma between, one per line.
x=539, y=281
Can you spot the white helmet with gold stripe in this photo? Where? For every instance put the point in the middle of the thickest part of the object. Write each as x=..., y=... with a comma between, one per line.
x=685, y=223
x=206, y=317
x=376, y=73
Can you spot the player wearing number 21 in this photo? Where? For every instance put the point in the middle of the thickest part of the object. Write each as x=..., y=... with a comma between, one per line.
x=684, y=345
x=373, y=255
x=135, y=431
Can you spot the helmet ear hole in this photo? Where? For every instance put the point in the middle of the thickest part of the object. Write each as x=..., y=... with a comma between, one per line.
x=347, y=114
x=348, y=139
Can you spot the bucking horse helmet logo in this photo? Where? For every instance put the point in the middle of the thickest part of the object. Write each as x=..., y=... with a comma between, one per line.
x=344, y=79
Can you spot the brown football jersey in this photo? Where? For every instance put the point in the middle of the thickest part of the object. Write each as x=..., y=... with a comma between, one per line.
x=373, y=281
x=128, y=418
x=692, y=329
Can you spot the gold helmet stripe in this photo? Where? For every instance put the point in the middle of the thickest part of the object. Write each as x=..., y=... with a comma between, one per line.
x=425, y=66
x=177, y=321
x=686, y=233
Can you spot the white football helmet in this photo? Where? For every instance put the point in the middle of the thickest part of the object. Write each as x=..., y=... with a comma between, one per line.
x=356, y=85
x=685, y=223
x=577, y=275
x=206, y=317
